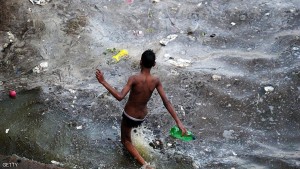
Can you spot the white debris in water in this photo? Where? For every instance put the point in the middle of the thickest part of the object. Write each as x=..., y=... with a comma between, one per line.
x=72, y=91
x=39, y=2
x=168, y=39
x=204, y=118
x=233, y=23
x=36, y=70
x=6, y=131
x=269, y=89
x=44, y=65
x=41, y=67
x=216, y=77
x=56, y=163
x=295, y=48
x=278, y=133
x=234, y=153
x=180, y=62
x=182, y=109
x=11, y=36
x=79, y=127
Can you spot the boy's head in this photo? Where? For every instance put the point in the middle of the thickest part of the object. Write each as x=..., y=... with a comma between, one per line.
x=148, y=59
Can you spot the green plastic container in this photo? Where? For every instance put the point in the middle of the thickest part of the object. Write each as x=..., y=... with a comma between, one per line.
x=176, y=133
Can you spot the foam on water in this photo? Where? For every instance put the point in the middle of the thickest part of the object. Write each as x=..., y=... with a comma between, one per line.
x=141, y=137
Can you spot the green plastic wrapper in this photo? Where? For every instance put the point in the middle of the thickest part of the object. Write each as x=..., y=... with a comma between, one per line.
x=176, y=133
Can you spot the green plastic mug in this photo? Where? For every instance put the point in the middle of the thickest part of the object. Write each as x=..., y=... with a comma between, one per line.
x=176, y=133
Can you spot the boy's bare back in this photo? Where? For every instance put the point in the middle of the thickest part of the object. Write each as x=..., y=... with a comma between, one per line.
x=142, y=86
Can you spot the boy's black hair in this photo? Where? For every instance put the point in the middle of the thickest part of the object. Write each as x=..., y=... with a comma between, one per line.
x=148, y=58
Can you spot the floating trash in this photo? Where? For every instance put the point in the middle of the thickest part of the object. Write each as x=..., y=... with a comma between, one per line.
x=41, y=67
x=168, y=39
x=6, y=131
x=121, y=54
x=269, y=89
x=180, y=62
x=216, y=77
x=39, y=2
x=12, y=94
x=56, y=163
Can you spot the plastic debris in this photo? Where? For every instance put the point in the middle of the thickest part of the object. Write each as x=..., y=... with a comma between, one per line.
x=212, y=35
x=269, y=89
x=6, y=131
x=56, y=163
x=180, y=62
x=168, y=39
x=176, y=133
x=11, y=37
x=39, y=2
x=169, y=144
x=79, y=127
x=44, y=65
x=12, y=94
x=233, y=23
x=216, y=77
x=41, y=67
x=72, y=91
x=121, y=54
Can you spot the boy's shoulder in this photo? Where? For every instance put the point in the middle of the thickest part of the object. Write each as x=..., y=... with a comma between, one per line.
x=139, y=76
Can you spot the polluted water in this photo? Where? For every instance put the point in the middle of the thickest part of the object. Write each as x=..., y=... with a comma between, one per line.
x=231, y=69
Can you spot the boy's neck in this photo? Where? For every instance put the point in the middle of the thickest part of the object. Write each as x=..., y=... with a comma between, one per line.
x=145, y=70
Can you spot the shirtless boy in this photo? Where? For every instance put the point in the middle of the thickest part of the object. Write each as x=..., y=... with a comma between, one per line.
x=141, y=87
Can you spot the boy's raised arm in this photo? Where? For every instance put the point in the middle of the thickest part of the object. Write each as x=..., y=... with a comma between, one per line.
x=169, y=107
x=118, y=95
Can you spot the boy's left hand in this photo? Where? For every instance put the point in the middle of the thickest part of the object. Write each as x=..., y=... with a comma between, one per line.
x=182, y=128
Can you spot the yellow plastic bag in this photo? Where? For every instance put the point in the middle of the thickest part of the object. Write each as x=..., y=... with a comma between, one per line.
x=121, y=54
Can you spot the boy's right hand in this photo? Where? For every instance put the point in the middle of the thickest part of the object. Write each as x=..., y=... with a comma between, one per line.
x=99, y=76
